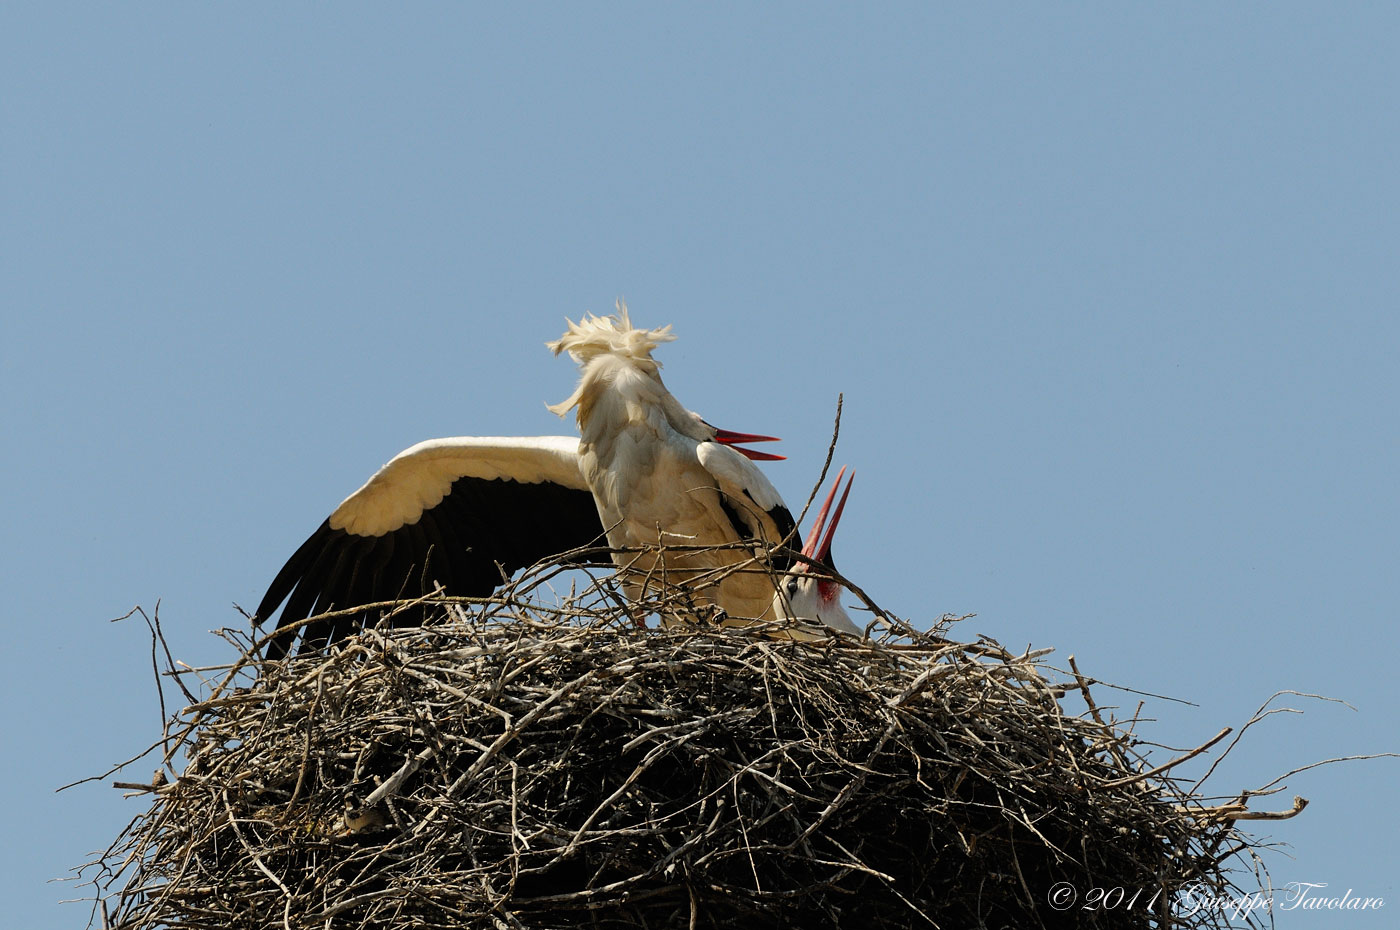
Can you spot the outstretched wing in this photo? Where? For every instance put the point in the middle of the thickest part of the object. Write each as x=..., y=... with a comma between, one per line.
x=454, y=512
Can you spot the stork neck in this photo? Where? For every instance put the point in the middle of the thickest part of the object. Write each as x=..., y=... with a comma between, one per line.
x=614, y=392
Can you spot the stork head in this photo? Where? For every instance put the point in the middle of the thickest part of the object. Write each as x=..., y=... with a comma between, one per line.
x=806, y=593
x=603, y=346
x=615, y=356
x=594, y=335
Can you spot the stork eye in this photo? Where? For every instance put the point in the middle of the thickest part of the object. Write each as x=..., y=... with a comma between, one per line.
x=792, y=588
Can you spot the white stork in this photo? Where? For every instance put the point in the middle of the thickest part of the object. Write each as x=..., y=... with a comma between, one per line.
x=463, y=513
x=805, y=592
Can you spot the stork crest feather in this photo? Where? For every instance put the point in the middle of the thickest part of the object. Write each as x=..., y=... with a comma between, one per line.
x=594, y=336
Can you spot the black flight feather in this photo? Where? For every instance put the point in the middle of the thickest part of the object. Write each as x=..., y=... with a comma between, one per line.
x=480, y=527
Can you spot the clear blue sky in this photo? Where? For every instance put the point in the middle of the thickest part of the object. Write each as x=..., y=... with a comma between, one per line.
x=1111, y=292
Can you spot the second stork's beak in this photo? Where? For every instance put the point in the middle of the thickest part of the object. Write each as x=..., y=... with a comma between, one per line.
x=730, y=438
x=818, y=546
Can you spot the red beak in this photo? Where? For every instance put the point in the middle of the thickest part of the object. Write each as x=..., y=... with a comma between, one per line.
x=730, y=438
x=821, y=552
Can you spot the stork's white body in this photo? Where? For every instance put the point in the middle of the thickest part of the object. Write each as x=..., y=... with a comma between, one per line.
x=659, y=478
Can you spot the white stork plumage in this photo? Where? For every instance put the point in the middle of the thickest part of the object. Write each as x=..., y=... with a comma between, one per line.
x=464, y=513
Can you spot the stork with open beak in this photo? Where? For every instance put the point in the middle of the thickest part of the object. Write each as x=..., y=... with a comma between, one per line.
x=807, y=592
x=461, y=514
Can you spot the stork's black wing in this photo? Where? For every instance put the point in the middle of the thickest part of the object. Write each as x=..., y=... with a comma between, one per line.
x=455, y=513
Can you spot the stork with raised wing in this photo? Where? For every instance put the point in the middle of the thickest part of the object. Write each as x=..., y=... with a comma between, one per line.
x=460, y=514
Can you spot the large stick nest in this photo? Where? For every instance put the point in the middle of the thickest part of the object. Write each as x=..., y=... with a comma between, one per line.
x=518, y=765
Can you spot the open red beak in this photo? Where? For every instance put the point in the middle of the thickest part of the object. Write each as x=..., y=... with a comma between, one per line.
x=729, y=438
x=821, y=551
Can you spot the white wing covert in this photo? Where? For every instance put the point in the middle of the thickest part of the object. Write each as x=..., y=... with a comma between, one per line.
x=748, y=497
